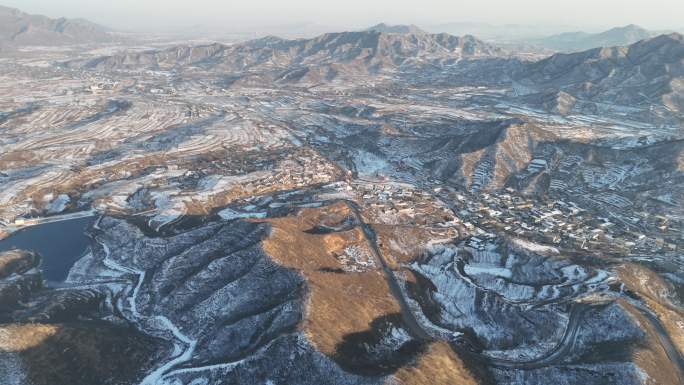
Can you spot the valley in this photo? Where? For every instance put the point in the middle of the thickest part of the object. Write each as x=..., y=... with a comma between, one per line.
x=386, y=206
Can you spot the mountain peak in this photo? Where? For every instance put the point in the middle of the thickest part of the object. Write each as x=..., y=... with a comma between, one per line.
x=625, y=34
x=676, y=36
x=630, y=27
x=400, y=29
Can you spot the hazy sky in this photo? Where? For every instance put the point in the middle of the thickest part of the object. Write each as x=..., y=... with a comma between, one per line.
x=232, y=14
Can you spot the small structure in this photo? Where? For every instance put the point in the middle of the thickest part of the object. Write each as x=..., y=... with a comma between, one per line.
x=537, y=165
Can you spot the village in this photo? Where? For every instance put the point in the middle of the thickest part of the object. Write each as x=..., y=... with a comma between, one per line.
x=485, y=216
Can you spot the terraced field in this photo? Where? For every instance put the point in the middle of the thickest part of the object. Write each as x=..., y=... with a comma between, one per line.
x=358, y=208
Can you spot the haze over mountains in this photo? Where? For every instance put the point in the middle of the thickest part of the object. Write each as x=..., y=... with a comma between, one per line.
x=579, y=41
x=403, y=29
x=22, y=29
x=642, y=74
x=494, y=32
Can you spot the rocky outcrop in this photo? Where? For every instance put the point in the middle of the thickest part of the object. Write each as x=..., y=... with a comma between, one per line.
x=19, y=278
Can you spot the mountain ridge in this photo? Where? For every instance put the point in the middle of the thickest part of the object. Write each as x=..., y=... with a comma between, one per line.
x=647, y=71
x=23, y=29
x=352, y=52
x=580, y=41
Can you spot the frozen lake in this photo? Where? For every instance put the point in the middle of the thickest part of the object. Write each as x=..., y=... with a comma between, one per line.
x=60, y=244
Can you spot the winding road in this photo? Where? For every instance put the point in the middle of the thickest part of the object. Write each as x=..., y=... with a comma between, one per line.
x=551, y=357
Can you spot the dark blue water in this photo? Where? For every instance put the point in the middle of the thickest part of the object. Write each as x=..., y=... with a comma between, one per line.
x=60, y=244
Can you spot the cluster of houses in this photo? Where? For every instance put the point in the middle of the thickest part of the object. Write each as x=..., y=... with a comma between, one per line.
x=562, y=223
x=395, y=203
x=485, y=216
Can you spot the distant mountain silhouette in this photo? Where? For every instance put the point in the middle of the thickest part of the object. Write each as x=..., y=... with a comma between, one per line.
x=402, y=29
x=21, y=29
x=579, y=41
